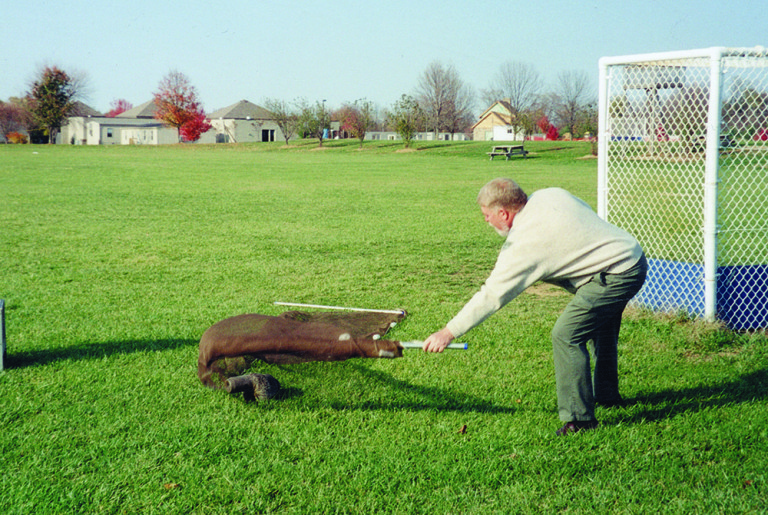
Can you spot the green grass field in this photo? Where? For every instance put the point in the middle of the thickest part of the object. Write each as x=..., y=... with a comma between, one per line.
x=116, y=259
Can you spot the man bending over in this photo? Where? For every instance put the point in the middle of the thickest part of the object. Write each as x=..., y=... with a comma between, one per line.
x=557, y=238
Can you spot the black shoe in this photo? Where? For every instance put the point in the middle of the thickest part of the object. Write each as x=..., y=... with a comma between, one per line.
x=576, y=426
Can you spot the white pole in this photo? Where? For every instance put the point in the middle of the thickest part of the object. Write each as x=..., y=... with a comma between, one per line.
x=664, y=56
x=602, y=142
x=320, y=306
x=416, y=344
x=711, y=180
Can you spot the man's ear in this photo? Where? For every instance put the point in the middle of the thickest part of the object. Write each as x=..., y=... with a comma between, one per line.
x=508, y=215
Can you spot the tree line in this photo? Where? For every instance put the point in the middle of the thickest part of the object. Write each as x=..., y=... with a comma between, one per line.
x=441, y=102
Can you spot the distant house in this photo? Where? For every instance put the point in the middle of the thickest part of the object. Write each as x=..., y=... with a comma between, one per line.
x=238, y=123
x=89, y=127
x=74, y=131
x=495, y=124
x=244, y=122
x=420, y=136
x=149, y=134
x=138, y=126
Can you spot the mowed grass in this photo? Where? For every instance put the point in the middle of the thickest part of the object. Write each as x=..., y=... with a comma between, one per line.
x=116, y=260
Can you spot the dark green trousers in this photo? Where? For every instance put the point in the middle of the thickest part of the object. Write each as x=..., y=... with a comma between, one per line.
x=591, y=321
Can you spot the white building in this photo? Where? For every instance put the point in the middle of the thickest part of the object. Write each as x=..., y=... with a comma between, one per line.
x=89, y=127
x=495, y=124
x=244, y=122
x=420, y=136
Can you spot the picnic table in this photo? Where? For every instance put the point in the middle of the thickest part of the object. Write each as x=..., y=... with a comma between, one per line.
x=508, y=151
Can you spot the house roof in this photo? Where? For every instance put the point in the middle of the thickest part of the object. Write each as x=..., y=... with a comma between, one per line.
x=81, y=109
x=128, y=123
x=495, y=119
x=502, y=106
x=242, y=110
x=145, y=110
x=500, y=113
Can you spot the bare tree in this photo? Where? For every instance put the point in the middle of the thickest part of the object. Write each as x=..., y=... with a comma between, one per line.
x=12, y=119
x=745, y=107
x=520, y=83
x=443, y=97
x=284, y=116
x=548, y=105
x=461, y=116
x=490, y=96
x=573, y=94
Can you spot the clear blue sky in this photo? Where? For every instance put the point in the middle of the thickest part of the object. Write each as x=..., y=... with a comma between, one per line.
x=344, y=50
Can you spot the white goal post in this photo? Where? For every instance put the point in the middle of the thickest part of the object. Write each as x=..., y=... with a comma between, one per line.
x=683, y=165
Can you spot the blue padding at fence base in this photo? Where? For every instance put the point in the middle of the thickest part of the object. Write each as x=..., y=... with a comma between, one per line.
x=673, y=286
x=742, y=296
x=742, y=292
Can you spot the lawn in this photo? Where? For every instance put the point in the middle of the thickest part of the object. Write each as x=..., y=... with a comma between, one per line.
x=117, y=259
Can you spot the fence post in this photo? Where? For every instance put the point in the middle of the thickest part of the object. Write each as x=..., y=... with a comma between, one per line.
x=602, y=142
x=711, y=180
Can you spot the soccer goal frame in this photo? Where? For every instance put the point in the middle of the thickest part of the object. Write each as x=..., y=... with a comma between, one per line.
x=683, y=165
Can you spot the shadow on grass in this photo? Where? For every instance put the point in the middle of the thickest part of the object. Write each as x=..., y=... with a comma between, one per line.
x=514, y=158
x=399, y=396
x=444, y=144
x=671, y=403
x=92, y=351
x=553, y=149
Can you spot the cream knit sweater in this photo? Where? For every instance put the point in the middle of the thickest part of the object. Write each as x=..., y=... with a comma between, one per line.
x=556, y=238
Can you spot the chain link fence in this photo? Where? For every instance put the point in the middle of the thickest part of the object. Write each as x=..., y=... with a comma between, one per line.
x=683, y=165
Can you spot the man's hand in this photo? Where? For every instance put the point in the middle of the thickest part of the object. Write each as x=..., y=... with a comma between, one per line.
x=438, y=341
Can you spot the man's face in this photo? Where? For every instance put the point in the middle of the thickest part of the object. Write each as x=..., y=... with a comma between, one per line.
x=498, y=218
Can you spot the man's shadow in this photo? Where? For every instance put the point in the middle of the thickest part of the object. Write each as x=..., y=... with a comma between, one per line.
x=670, y=403
x=651, y=406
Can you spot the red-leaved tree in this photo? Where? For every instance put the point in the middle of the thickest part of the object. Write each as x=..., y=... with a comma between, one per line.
x=553, y=133
x=194, y=128
x=176, y=101
x=543, y=124
x=118, y=106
